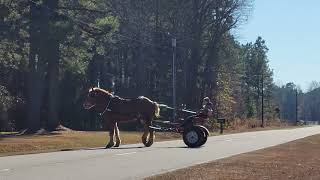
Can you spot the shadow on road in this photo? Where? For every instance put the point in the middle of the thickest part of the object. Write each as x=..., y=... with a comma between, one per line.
x=139, y=147
x=86, y=149
x=136, y=147
x=100, y=148
x=172, y=147
x=180, y=147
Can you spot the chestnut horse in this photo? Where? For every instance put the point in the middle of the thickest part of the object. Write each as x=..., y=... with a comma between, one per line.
x=114, y=109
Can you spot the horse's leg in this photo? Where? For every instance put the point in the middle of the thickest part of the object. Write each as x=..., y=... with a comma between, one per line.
x=148, y=130
x=145, y=133
x=111, y=134
x=151, y=135
x=118, y=140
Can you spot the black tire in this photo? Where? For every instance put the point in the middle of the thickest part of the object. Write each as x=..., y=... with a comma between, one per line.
x=193, y=137
x=206, y=134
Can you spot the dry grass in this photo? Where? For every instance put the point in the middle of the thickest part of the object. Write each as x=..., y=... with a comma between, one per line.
x=245, y=125
x=61, y=140
x=295, y=160
x=7, y=133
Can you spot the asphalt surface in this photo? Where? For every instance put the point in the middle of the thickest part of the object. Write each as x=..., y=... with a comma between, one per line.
x=135, y=161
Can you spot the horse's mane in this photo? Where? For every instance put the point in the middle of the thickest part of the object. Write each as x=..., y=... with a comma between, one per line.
x=110, y=94
x=143, y=97
x=101, y=90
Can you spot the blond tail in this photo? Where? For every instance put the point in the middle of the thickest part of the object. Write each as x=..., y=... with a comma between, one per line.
x=157, y=110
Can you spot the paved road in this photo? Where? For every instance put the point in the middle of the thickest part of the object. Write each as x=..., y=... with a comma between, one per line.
x=135, y=161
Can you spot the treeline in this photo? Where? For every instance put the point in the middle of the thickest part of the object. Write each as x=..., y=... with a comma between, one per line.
x=295, y=105
x=52, y=51
x=309, y=107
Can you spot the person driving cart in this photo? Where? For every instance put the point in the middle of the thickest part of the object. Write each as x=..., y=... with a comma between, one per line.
x=203, y=113
x=207, y=107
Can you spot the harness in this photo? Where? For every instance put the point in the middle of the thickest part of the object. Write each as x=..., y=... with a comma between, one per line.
x=106, y=109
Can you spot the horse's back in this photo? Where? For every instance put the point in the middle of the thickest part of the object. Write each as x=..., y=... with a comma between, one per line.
x=140, y=104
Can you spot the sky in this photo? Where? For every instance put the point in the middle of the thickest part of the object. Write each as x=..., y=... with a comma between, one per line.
x=291, y=29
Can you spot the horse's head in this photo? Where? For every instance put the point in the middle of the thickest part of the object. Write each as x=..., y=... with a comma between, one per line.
x=97, y=98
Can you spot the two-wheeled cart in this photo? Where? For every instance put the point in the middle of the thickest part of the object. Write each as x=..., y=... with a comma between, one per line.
x=192, y=128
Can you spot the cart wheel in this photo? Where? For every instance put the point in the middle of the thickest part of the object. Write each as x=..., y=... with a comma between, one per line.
x=193, y=137
x=206, y=134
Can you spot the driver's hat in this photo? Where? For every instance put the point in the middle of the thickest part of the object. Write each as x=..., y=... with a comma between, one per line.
x=206, y=99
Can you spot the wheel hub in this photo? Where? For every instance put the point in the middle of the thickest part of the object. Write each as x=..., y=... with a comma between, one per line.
x=192, y=137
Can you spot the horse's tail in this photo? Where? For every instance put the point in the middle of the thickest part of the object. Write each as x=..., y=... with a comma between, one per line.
x=156, y=110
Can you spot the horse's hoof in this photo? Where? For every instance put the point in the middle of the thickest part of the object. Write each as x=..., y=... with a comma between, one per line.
x=109, y=146
x=148, y=144
x=117, y=145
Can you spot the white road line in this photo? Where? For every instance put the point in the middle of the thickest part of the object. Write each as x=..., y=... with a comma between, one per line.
x=123, y=154
x=228, y=140
x=4, y=170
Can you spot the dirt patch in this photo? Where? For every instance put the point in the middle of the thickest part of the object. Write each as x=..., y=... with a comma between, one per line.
x=295, y=160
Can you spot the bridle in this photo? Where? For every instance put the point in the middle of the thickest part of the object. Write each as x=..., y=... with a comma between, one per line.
x=107, y=108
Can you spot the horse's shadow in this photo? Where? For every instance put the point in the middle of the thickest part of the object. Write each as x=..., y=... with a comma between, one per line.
x=100, y=148
x=139, y=147
x=120, y=148
x=82, y=149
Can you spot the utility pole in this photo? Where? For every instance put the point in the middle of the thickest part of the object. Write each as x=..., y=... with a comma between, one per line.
x=174, y=44
x=262, y=100
x=296, y=106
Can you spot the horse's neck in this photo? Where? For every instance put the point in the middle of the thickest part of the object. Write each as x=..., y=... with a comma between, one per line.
x=116, y=100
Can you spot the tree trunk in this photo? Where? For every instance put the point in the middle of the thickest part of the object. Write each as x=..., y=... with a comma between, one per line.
x=52, y=57
x=34, y=90
x=192, y=69
x=53, y=77
x=141, y=72
x=141, y=64
x=212, y=66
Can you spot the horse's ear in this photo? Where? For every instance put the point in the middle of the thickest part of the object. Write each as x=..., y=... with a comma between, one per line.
x=91, y=89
